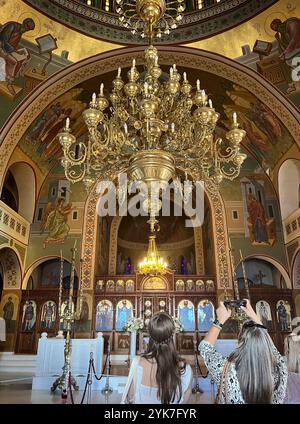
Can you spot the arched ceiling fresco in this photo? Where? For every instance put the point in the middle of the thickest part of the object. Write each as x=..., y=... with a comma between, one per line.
x=196, y=24
x=270, y=120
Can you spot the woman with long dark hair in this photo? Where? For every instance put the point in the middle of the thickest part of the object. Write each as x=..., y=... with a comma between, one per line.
x=292, y=354
x=160, y=375
x=255, y=372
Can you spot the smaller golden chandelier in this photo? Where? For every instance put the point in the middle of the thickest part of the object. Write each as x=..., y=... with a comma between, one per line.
x=153, y=264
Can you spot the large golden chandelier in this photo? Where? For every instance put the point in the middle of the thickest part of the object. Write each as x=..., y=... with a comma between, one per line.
x=152, y=125
x=153, y=264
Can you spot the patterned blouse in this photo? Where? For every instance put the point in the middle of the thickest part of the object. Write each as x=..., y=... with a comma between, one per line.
x=214, y=362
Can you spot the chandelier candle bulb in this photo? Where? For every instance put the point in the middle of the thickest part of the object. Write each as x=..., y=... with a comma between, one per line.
x=146, y=88
x=67, y=123
x=184, y=77
x=94, y=98
x=119, y=73
x=198, y=85
x=210, y=103
x=235, y=118
x=203, y=95
x=101, y=89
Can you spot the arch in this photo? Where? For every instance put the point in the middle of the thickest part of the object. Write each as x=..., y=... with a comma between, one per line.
x=154, y=283
x=275, y=263
x=37, y=263
x=206, y=315
x=221, y=246
x=124, y=311
x=263, y=310
x=81, y=71
x=186, y=315
x=104, y=316
x=289, y=187
x=296, y=270
x=25, y=179
x=68, y=78
x=11, y=267
x=10, y=192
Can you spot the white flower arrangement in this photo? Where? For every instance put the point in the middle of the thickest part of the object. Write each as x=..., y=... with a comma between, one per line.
x=134, y=324
x=178, y=326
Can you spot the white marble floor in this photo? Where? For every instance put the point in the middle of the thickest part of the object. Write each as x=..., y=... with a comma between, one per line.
x=16, y=389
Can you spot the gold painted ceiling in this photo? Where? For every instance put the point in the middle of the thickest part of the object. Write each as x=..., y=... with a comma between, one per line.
x=80, y=46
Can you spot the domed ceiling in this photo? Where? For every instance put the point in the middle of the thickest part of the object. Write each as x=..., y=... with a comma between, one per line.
x=201, y=19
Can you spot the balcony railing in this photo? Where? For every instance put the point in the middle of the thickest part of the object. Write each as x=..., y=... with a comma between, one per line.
x=14, y=225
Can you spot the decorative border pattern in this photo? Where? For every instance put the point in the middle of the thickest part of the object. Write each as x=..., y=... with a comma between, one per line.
x=195, y=25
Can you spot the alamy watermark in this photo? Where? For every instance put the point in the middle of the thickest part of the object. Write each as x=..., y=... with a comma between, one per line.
x=140, y=199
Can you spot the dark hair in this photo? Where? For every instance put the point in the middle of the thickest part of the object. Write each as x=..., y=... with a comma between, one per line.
x=275, y=23
x=254, y=363
x=169, y=365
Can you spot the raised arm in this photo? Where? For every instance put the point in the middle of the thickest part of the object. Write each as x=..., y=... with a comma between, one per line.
x=223, y=315
x=214, y=361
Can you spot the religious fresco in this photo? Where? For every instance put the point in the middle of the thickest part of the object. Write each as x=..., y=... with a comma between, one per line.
x=186, y=315
x=280, y=66
x=55, y=221
x=58, y=218
x=263, y=310
x=266, y=137
x=40, y=142
x=83, y=324
x=62, y=322
x=284, y=317
x=253, y=213
x=13, y=58
x=124, y=311
x=29, y=316
x=130, y=286
x=48, y=316
x=206, y=315
x=104, y=316
x=9, y=311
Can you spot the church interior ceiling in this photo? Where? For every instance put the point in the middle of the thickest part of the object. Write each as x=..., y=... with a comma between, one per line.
x=101, y=21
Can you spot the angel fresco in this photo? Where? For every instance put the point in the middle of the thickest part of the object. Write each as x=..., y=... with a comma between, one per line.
x=55, y=221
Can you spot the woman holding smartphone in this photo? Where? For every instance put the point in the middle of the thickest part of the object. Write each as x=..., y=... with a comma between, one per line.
x=255, y=372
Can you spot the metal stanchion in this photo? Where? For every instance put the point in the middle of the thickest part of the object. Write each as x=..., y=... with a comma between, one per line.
x=107, y=389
